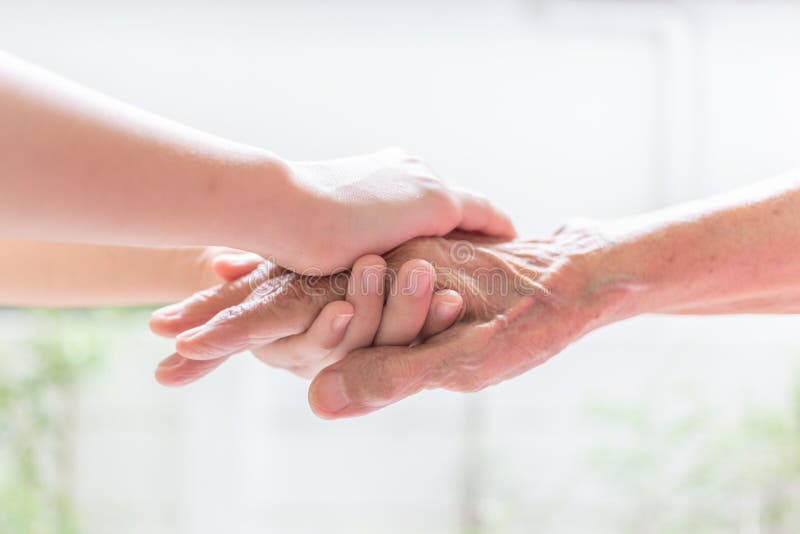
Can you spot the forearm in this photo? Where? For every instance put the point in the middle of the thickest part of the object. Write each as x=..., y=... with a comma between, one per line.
x=78, y=166
x=737, y=253
x=75, y=275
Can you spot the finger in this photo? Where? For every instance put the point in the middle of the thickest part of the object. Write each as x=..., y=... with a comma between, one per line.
x=480, y=215
x=365, y=296
x=445, y=309
x=365, y=292
x=232, y=266
x=325, y=333
x=203, y=305
x=305, y=371
x=280, y=307
x=370, y=378
x=176, y=370
x=407, y=304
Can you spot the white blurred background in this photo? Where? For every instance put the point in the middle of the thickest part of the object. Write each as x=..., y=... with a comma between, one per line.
x=555, y=109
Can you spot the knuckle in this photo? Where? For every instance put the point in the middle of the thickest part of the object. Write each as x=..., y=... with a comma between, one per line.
x=216, y=342
x=471, y=383
x=231, y=314
x=204, y=298
x=431, y=184
x=292, y=289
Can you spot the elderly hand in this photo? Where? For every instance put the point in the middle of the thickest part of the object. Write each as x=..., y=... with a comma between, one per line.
x=523, y=302
x=526, y=300
x=296, y=322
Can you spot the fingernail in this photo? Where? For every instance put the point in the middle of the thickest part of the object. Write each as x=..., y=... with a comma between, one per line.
x=340, y=322
x=418, y=282
x=172, y=362
x=329, y=393
x=170, y=312
x=445, y=309
x=373, y=280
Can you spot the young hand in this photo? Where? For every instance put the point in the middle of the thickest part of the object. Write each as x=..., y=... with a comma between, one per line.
x=81, y=167
x=373, y=203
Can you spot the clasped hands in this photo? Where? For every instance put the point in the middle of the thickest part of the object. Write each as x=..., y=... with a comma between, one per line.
x=459, y=312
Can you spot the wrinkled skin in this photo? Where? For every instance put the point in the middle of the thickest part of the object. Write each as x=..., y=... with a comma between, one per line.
x=301, y=338
x=551, y=301
x=524, y=301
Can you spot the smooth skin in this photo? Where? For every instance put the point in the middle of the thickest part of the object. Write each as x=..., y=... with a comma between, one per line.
x=526, y=300
x=70, y=275
x=77, y=166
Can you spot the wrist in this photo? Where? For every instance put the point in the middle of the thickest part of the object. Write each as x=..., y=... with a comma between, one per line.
x=597, y=275
x=314, y=215
x=634, y=270
x=261, y=207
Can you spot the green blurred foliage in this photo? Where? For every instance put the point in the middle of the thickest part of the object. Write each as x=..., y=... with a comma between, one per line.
x=669, y=461
x=695, y=468
x=38, y=377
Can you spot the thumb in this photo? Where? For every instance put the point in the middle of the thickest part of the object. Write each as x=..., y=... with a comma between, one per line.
x=371, y=378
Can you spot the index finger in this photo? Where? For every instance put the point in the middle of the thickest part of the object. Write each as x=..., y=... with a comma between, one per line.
x=280, y=307
x=197, y=309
